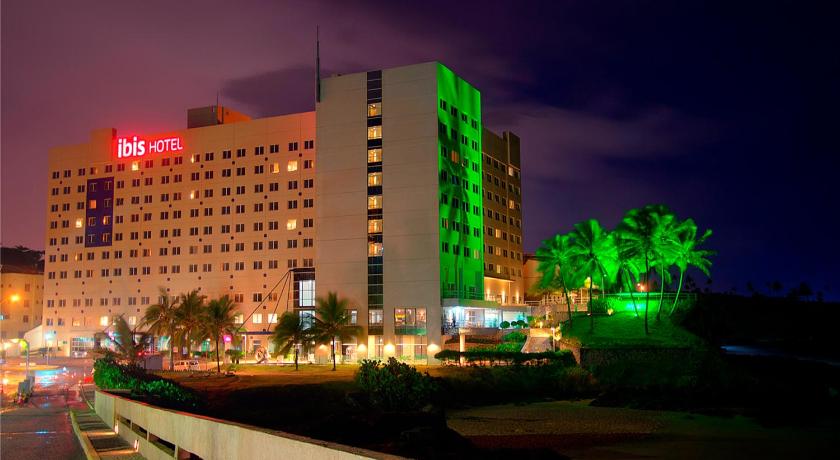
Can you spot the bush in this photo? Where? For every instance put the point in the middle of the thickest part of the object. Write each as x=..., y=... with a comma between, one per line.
x=235, y=355
x=108, y=374
x=492, y=357
x=504, y=324
x=600, y=306
x=394, y=386
x=515, y=337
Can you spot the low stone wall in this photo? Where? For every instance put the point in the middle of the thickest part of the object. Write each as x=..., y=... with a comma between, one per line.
x=164, y=434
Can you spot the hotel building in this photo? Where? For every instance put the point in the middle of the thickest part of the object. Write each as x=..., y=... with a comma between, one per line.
x=391, y=193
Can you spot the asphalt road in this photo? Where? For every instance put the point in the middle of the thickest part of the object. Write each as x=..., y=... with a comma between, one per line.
x=41, y=429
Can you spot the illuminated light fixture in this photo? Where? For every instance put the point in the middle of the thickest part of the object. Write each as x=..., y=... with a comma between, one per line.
x=389, y=348
x=361, y=348
x=433, y=348
x=14, y=298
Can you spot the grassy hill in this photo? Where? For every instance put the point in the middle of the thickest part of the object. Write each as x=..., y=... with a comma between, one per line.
x=624, y=330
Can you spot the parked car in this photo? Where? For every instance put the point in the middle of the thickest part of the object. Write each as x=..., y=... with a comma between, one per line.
x=188, y=365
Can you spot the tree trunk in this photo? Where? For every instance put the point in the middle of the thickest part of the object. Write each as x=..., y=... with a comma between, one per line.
x=296, y=357
x=568, y=302
x=661, y=293
x=333, y=353
x=632, y=297
x=677, y=296
x=647, y=292
x=218, y=364
x=171, y=352
x=591, y=313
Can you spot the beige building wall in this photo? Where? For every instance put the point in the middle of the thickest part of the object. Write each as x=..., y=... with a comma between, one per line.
x=341, y=191
x=86, y=286
x=22, y=304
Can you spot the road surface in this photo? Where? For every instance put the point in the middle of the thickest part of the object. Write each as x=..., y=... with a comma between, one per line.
x=40, y=428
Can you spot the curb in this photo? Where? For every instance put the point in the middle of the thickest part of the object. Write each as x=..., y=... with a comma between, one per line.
x=87, y=447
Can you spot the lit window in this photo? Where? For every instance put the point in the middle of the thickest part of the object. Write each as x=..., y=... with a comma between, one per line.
x=292, y=166
x=92, y=204
x=375, y=226
x=374, y=155
x=275, y=168
x=375, y=109
x=257, y=318
x=375, y=202
x=374, y=249
x=291, y=224
x=132, y=320
x=135, y=165
x=239, y=318
x=193, y=194
x=103, y=321
x=272, y=318
x=374, y=179
x=374, y=132
x=79, y=222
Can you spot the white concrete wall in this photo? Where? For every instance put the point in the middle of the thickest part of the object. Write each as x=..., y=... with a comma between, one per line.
x=212, y=438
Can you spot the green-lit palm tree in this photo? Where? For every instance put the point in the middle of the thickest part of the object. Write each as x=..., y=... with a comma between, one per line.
x=218, y=319
x=555, y=265
x=290, y=334
x=129, y=343
x=189, y=316
x=332, y=322
x=593, y=253
x=160, y=319
x=645, y=235
x=687, y=253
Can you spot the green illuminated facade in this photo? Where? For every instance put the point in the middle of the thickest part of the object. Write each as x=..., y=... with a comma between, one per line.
x=460, y=187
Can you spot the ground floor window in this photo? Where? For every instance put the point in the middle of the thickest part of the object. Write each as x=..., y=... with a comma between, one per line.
x=80, y=346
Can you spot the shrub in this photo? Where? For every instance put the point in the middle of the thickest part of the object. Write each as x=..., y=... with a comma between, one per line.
x=235, y=355
x=515, y=337
x=492, y=357
x=600, y=306
x=394, y=386
x=110, y=375
x=504, y=325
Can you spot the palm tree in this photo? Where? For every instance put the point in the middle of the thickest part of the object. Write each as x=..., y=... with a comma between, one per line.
x=189, y=317
x=332, y=321
x=687, y=254
x=593, y=253
x=629, y=268
x=218, y=319
x=129, y=343
x=644, y=234
x=290, y=333
x=161, y=320
x=555, y=264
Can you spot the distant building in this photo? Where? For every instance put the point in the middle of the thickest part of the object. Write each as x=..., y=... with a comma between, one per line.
x=392, y=194
x=21, y=291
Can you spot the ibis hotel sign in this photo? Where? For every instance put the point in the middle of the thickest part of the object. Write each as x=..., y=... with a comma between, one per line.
x=135, y=146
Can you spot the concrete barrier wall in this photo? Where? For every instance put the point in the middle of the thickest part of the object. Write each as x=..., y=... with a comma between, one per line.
x=156, y=430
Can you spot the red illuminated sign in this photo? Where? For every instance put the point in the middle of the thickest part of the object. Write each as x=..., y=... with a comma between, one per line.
x=138, y=146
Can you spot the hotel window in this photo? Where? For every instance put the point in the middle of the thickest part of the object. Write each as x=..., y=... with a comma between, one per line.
x=374, y=155
x=375, y=317
x=273, y=148
x=374, y=109
x=375, y=226
x=293, y=146
x=292, y=166
x=275, y=168
x=103, y=321
x=308, y=183
x=375, y=202
x=257, y=317
x=226, y=154
x=308, y=144
x=272, y=318
x=306, y=288
x=308, y=223
x=92, y=204
x=374, y=249
x=308, y=202
x=291, y=224
x=307, y=164
x=374, y=132
x=374, y=179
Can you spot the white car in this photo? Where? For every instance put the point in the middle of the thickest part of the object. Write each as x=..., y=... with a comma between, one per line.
x=188, y=365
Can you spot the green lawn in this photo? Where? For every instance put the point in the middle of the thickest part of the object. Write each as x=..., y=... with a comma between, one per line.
x=624, y=330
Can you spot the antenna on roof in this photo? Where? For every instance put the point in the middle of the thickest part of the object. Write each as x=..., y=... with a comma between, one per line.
x=219, y=111
x=317, y=65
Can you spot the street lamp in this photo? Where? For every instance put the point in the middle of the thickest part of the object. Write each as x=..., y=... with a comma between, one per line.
x=24, y=344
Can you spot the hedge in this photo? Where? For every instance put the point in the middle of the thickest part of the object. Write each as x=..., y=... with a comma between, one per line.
x=493, y=357
x=110, y=375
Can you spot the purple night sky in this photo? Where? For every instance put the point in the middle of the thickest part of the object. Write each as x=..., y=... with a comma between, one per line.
x=725, y=112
